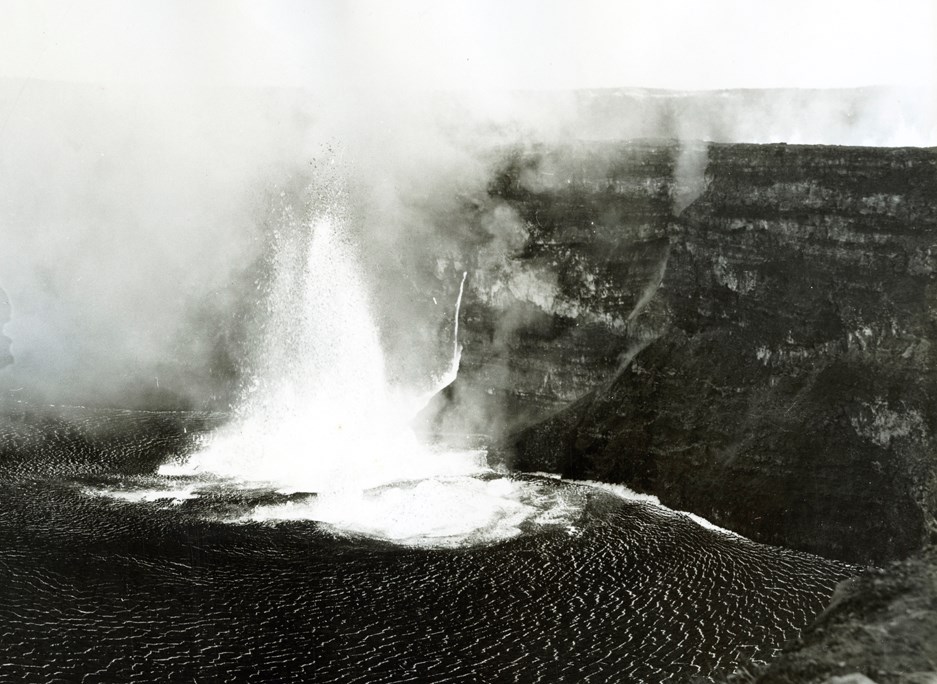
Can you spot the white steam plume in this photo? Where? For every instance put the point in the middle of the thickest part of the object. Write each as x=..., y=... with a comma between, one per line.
x=141, y=143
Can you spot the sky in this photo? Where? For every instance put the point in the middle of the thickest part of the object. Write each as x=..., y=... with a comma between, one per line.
x=474, y=44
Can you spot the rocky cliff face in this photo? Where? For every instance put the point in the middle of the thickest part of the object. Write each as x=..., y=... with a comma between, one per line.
x=746, y=331
x=880, y=627
x=575, y=245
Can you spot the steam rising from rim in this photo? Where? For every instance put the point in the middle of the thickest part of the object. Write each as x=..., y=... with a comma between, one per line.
x=320, y=415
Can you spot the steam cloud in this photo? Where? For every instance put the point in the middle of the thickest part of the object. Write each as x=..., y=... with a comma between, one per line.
x=5, y=357
x=135, y=219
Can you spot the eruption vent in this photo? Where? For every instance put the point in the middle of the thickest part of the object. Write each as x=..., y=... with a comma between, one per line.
x=322, y=419
x=320, y=416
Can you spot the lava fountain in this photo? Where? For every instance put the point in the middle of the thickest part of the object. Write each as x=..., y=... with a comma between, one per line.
x=320, y=415
x=322, y=418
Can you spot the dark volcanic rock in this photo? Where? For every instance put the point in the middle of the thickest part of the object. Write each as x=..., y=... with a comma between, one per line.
x=569, y=259
x=762, y=357
x=882, y=625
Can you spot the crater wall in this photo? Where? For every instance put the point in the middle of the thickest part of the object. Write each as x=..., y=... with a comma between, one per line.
x=746, y=331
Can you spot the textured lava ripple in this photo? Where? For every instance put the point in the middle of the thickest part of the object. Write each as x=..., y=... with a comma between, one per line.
x=99, y=590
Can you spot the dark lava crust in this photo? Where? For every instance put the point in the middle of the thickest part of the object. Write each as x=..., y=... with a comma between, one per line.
x=94, y=589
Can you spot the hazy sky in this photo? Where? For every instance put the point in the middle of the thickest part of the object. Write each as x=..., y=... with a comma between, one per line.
x=549, y=44
x=129, y=217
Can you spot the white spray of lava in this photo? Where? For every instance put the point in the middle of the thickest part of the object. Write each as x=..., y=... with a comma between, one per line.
x=322, y=418
x=452, y=372
x=456, y=348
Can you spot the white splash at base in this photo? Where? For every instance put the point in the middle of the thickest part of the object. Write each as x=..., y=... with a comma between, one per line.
x=437, y=512
x=322, y=419
x=623, y=492
x=321, y=416
x=172, y=495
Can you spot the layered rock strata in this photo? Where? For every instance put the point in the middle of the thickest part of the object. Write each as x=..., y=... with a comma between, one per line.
x=746, y=331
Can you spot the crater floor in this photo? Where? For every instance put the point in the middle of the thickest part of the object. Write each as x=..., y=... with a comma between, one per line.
x=100, y=589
